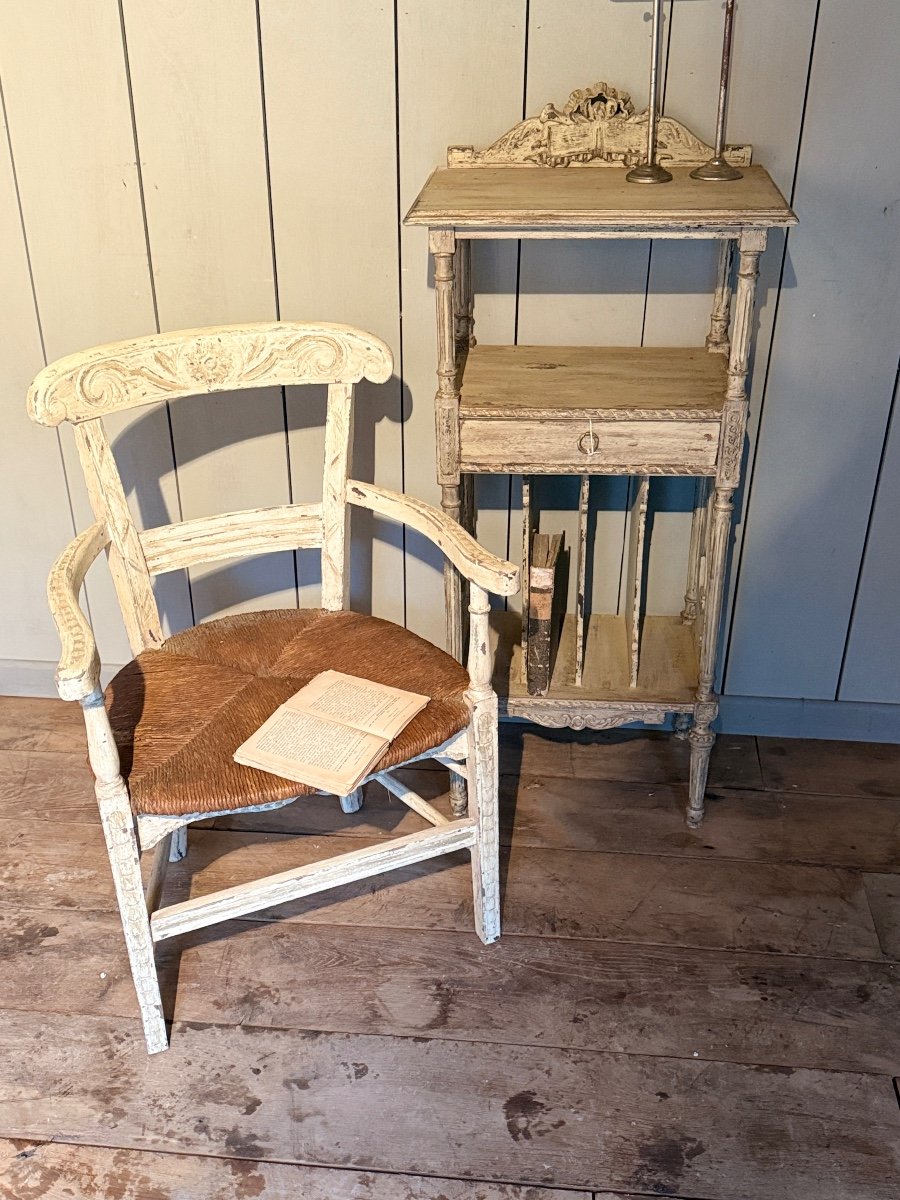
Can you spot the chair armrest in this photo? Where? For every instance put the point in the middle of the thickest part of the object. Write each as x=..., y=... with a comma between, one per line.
x=471, y=560
x=78, y=673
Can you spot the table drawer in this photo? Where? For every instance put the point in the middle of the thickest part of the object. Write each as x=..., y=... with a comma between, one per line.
x=549, y=446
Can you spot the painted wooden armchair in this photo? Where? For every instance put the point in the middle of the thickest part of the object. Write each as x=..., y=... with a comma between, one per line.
x=161, y=739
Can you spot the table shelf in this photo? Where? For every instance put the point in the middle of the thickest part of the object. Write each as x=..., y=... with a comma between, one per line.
x=579, y=381
x=667, y=675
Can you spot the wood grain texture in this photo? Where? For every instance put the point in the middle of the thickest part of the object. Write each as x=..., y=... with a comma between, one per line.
x=820, y=544
x=310, y=878
x=774, y=907
x=836, y=768
x=32, y=723
x=579, y=291
x=88, y=253
x=29, y=546
x=232, y=535
x=624, y=754
x=616, y=816
x=883, y=892
x=634, y=581
x=534, y=1114
x=463, y=65
x=576, y=380
x=335, y=247
x=543, y=445
x=198, y=114
x=54, y=1172
x=773, y=1010
x=667, y=673
x=552, y=201
x=777, y=907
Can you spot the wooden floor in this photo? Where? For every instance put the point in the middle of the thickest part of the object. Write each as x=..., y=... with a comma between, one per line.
x=710, y=1014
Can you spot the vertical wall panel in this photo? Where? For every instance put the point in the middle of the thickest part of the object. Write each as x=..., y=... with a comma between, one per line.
x=768, y=82
x=199, y=115
x=583, y=292
x=832, y=373
x=460, y=80
x=33, y=497
x=334, y=203
x=872, y=666
x=70, y=128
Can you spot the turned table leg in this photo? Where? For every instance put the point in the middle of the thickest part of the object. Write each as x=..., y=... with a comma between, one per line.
x=442, y=243
x=718, y=522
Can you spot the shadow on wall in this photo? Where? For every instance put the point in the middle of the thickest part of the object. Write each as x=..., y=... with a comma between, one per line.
x=301, y=409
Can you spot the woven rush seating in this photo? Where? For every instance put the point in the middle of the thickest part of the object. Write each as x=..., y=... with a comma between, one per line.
x=179, y=712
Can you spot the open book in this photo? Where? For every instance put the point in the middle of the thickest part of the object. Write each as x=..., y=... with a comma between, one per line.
x=332, y=732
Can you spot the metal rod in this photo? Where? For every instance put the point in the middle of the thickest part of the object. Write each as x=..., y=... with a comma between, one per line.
x=718, y=169
x=653, y=113
x=650, y=171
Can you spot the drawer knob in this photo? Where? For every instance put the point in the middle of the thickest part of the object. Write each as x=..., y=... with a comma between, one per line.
x=588, y=443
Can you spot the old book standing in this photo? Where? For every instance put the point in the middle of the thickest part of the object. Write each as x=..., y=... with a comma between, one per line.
x=542, y=602
x=640, y=412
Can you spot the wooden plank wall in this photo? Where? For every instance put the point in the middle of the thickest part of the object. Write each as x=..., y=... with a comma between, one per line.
x=171, y=165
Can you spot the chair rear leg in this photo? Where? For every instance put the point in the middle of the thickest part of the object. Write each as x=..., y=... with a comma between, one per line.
x=459, y=798
x=352, y=803
x=124, y=860
x=483, y=792
x=179, y=845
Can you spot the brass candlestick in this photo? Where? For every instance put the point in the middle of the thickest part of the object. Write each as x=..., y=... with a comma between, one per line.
x=718, y=169
x=650, y=171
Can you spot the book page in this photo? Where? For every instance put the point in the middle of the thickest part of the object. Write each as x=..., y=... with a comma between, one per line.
x=373, y=707
x=321, y=753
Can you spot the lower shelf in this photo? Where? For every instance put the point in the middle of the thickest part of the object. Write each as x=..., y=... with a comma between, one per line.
x=667, y=677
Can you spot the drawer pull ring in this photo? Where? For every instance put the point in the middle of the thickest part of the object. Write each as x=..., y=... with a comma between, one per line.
x=588, y=442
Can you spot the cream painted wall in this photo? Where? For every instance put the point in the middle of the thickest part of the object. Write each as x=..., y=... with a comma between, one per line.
x=171, y=164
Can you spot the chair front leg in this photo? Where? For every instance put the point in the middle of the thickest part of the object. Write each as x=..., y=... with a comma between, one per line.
x=483, y=771
x=125, y=862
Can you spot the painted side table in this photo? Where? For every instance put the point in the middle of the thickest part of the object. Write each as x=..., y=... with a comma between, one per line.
x=584, y=410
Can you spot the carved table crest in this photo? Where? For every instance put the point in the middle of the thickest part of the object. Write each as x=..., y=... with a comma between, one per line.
x=596, y=127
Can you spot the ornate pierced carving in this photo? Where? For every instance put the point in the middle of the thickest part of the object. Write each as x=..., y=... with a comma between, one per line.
x=597, y=126
x=578, y=714
x=168, y=366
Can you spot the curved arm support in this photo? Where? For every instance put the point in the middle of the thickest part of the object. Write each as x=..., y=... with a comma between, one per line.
x=78, y=673
x=470, y=559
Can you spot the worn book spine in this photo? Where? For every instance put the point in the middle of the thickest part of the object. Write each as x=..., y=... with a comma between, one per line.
x=541, y=612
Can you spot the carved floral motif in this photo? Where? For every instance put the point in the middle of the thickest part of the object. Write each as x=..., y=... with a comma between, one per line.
x=166, y=366
x=732, y=446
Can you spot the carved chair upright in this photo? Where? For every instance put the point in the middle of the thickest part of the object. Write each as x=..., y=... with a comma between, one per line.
x=161, y=739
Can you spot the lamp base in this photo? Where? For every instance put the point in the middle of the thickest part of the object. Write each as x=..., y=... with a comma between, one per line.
x=648, y=173
x=717, y=170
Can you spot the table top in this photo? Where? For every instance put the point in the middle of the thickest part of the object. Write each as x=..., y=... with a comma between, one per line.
x=594, y=199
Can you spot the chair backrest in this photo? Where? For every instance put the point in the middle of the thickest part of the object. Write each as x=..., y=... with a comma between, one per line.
x=84, y=387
